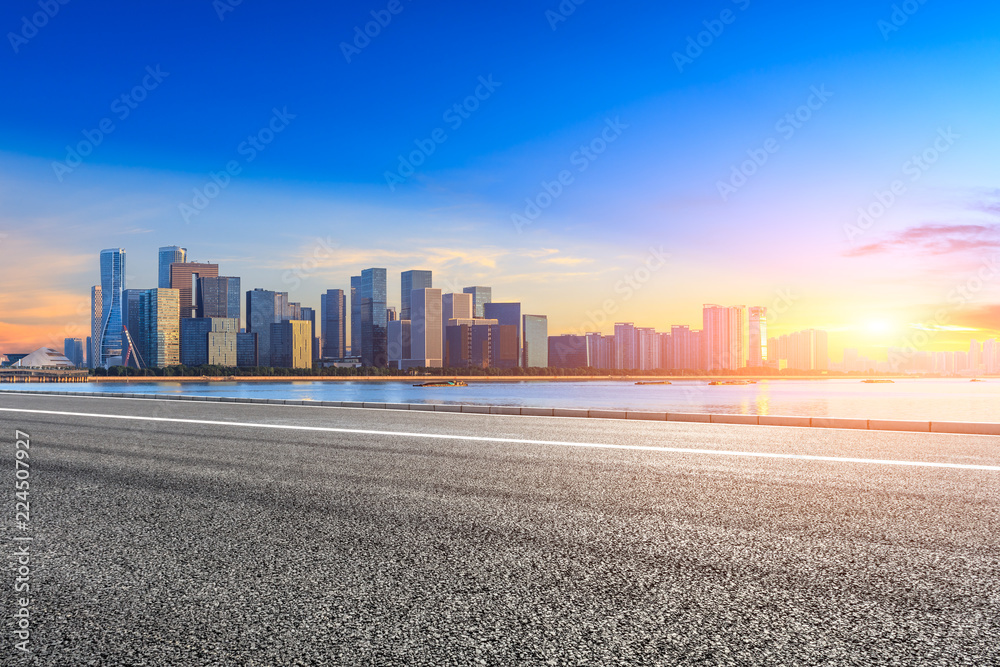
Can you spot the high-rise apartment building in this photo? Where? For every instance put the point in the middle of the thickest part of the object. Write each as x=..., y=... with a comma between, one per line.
x=758, y=337
x=626, y=347
x=109, y=340
x=480, y=297
x=291, y=344
x=600, y=350
x=218, y=296
x=723, y=331
x=333, y=317
x=159, y=327
x=409, y=281
x=168, y=255
x=184, y=277
x=374, y=324
x=682, y=349
x=425, y=329
x=648, y=347
x=535, y=344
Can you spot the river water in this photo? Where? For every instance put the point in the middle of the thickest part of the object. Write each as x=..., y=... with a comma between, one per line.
x=925, y=399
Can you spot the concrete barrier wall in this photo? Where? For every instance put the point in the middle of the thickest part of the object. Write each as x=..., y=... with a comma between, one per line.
x=961, y=428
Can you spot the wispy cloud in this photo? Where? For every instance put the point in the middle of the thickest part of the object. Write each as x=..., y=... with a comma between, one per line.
x=935, y=239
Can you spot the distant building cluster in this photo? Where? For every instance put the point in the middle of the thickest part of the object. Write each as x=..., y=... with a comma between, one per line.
x=193, y=317
x=731, y=338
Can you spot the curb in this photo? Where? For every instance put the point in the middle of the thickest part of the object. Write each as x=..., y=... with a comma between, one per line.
x=895, y=425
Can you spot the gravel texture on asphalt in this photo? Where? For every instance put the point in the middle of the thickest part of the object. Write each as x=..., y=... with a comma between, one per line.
x=166, y=543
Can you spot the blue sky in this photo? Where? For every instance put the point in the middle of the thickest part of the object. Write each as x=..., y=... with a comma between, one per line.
x=556, y=87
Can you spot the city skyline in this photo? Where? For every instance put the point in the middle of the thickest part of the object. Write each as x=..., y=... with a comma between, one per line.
x=225, y=298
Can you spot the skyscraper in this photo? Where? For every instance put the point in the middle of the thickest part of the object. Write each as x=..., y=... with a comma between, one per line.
x=131, y=318
x=332, y=313
x=264, y=308
x=309, y=315
x=184, y=277
x=109, y=340
x=168, y=255
x=723, y=335
x=96, y=310
x=647, y=348
x=626, y=356
x=425, y=329
x=374, y=323
x=73, y=350
x=409, y=281
x=218, y=296
x=480, y=297
x=355, y=316
x=159, y=327
x=758, y=337
x=535, y=345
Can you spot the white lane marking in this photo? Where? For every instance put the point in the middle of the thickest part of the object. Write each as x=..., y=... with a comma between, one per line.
x=558, y=443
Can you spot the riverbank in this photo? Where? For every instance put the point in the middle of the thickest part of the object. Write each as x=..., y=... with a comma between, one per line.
x=476, y=378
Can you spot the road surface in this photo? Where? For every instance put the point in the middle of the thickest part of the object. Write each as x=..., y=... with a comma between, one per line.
x=176, y=533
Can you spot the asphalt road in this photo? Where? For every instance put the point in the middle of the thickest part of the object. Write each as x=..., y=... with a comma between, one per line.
x=162, y=542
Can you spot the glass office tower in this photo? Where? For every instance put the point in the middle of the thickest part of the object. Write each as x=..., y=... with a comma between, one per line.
x=374, y=322
x=333, y=306
x=168, y=255
x=480, y=297
x=355, y=316
x=109, y=341
x=409, y=281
